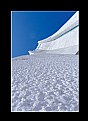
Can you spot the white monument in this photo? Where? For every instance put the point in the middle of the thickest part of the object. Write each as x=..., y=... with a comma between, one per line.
x=64, y=41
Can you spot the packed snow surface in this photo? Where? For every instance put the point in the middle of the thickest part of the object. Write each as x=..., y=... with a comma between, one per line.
x=48, y=82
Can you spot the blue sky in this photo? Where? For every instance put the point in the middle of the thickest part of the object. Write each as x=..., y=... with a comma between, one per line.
x=30, y=27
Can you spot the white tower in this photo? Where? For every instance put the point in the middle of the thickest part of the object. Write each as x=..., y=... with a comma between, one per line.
x=64, y=41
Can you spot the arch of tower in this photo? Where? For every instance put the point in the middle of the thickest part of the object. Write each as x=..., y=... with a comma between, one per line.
x=64, y=41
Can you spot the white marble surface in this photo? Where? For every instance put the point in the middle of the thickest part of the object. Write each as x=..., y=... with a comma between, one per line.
x=69, y=39
x=66, y=36
x=45, y=83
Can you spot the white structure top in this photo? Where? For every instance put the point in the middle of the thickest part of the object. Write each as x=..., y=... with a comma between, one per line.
x=66, y=37
x=70, y=24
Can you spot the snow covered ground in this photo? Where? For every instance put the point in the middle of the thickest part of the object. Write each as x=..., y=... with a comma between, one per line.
x=47, y=82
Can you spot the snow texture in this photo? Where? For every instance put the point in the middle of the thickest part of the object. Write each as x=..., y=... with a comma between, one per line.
x=45, y=83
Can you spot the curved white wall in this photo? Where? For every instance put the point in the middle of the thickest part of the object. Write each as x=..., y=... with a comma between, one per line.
x=69, y=39
x=73, y=20
x=65, y=38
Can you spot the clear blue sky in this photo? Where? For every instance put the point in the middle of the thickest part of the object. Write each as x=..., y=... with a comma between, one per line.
x=30, y=27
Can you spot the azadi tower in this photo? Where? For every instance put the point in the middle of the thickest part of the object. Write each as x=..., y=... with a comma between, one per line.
x=64, y=41
x=48, y=81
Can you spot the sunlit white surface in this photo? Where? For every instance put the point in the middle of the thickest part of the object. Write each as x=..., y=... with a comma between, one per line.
x=47, y=82
x=66, y=36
